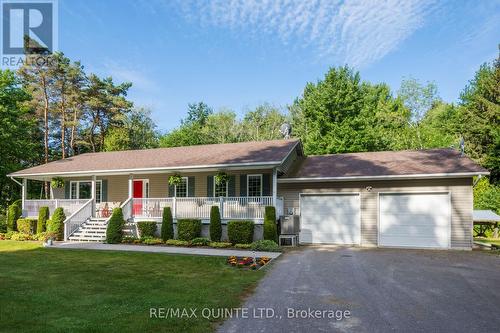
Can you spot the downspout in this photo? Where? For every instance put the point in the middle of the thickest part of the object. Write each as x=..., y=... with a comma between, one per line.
x=15, y=181
x=22, y=190
x=477, y=180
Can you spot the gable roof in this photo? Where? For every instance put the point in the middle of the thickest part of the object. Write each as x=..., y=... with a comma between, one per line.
x=255, y=153
x=391, y=164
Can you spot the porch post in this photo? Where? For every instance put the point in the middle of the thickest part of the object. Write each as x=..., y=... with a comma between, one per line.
x=130, y=186
x=275, y=186
x=24, y=190
x=221, y=204
x=93, y=194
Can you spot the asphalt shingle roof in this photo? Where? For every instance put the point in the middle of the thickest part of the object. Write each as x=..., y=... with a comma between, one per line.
x=255, y=153
x=387, y=163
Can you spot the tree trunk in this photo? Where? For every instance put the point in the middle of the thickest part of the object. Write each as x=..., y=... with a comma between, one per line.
x=46, y=128
x=63, y=125
x=73, y=131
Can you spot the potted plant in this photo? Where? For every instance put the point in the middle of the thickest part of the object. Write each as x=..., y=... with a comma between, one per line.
x=175, y=180
x=57, y=182
x=221, y=178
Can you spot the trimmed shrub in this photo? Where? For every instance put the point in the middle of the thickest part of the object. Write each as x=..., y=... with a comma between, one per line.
x=240, y=232
x=220, y=245
x=45, y=236
x=27, y=226
x=3, y=224
x=56, y=223
x=152, y=241
x=9, y=234
x=265, y=245
x=14, y=212
x=129, y=239
x=21, y=236
x=200, y=241
x=188, y=229
x=114, y=232
x=167, y=224
x=215, y=225
x=176, y=242
x=270, y=227
x=243, y=246
x=146, y=228
x=43, y=216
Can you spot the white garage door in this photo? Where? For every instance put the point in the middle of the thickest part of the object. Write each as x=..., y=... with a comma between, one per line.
x=415, y=220
x=330, y=219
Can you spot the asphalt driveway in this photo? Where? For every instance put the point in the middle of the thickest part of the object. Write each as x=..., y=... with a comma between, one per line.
x=383, y=290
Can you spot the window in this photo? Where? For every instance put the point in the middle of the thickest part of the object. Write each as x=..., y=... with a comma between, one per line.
x=83, y=190
x=220, y=190
x=181, y=190
x=254, y=185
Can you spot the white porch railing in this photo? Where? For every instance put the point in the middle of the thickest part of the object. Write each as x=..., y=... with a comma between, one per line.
x=72, y=223
x=126, y=209
x=199, y=207
x=32, y=207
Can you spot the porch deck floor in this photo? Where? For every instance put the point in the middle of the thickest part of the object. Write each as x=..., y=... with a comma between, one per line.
x=164, y=249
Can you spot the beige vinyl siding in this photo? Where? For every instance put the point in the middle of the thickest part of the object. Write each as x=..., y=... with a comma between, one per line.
x=461, y=202
x=158, y=184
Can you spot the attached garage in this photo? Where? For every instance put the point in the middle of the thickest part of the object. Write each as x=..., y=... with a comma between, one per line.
x=406, y=199
x=330, y=219
x=421, y=220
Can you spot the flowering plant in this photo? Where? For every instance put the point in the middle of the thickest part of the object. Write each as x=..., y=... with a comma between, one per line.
x=175, y=179
x=57, y=182
x=221, y=178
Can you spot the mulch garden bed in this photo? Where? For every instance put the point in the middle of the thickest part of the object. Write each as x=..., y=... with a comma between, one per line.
x=249, y=263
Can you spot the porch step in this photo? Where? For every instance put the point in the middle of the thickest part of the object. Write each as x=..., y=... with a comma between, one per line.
x=93, y=230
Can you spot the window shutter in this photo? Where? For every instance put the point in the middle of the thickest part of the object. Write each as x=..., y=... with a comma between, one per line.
x=171, y=190
x=191, y=186
x=67, y=190
x=210, y=186
x=266, y=184
x=104, y=190
x=243, y=185
x=231, y=186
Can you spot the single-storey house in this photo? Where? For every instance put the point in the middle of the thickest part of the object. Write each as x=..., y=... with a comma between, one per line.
x=420, y=199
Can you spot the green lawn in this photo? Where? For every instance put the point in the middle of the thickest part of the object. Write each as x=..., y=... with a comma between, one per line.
x=494, y=241
x=54, y=290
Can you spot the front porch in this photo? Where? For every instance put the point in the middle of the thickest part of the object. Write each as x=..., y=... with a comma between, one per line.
x=244, y=195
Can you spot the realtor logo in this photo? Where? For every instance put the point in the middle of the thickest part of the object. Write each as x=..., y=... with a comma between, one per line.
x=28, y=27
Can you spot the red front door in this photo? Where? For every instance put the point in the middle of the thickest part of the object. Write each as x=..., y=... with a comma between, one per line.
x=138, y=194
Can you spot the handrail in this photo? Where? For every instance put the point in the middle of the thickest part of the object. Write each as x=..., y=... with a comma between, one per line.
x=126, y=202
x=70, y=229
x=78, y=210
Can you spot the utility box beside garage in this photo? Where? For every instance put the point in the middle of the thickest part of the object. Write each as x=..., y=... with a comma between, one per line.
x=424, y=213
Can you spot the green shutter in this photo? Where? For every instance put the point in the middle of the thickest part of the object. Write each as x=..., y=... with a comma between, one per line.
x=171, y=190
x=243, y=185
x=191, y=186
x=67, y=190
x=210, y=186
x=231, y=186
x=266, y=184
x=104, y=190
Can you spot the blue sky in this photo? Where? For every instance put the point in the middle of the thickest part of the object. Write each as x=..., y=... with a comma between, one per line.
x=238, y=54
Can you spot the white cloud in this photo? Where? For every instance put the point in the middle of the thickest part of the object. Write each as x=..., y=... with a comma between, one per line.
x=354, y=32
x=122, y=73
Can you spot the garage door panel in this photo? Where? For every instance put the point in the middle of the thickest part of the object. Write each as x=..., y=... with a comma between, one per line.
x=416, y=230
x=332, y=219
x=416, y=242
x=414, y=220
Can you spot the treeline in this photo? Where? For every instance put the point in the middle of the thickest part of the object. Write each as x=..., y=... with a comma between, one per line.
x=58, y=110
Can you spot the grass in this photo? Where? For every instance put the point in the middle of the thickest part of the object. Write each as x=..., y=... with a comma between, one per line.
x=56, y=290
x=494, y=241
